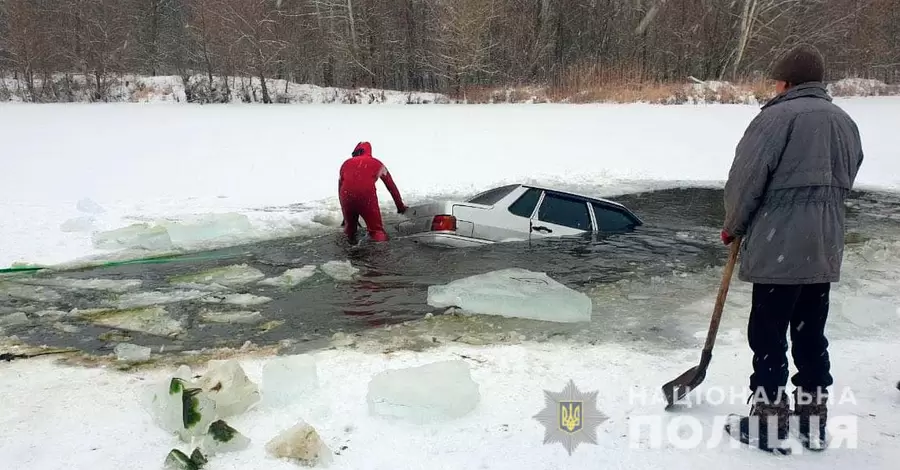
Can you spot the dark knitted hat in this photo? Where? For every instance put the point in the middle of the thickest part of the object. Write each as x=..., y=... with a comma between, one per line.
x=802, y=64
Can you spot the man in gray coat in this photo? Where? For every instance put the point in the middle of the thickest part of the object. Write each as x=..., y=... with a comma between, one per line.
x=793, y=169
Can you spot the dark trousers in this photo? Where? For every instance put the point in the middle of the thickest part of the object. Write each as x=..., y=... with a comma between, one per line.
x=802, y=310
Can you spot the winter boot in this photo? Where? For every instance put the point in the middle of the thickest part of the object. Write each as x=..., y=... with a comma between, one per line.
x=811, y=411
x=766, y=427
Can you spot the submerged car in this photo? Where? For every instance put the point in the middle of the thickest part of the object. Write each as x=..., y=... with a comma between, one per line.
x=515, y=212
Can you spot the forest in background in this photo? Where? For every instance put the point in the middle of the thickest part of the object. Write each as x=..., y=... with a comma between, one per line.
x=453, y=47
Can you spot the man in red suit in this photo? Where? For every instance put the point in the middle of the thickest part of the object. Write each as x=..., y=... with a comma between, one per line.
x=357, y=193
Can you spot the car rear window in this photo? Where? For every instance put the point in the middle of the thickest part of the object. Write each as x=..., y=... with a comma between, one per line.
x=610, y=219
x=491, y=197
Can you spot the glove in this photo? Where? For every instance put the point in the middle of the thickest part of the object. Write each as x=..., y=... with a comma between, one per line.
x=726, y=238
x=402, y=209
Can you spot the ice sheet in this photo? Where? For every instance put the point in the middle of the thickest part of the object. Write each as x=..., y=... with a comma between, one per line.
x=291, y=277
x=513, y=293
x=227, y=276
x=340, y=270
x=432, y=392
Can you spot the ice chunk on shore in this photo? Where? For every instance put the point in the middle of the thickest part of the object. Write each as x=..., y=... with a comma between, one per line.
x=302, y=444
x=227, y=276
x=229, y=387
x=178, y=405
x=143, y=236
x=437, y=391
x=88, y=206
x=340, y=270
x=78, y=224
x=513, y=293
x=221, y=438
x=291, y=277
x=207, y=229
x=131, y=352
x=286, y=378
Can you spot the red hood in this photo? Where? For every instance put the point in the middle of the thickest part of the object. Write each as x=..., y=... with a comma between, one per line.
x=363, y=149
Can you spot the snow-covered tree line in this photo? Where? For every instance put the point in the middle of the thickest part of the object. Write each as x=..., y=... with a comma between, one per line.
x=441, y=46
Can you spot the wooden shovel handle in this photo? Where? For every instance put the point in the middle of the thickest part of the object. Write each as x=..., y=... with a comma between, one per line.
x=723, y=292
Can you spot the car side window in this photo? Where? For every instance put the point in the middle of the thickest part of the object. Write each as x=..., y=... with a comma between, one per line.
x=568, y=212
x=610, y=219
x=524, y=206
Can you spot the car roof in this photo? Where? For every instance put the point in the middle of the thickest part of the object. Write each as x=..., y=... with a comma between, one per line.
x=571, y=193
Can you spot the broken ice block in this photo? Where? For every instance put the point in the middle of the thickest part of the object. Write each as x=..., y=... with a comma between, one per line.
x=26, y=292
x=78, y=224
x=66, y=328
x=111, y=285
x=207, y=230
x=221, y=438
x=241, y=316
x=436, y=391
x=236, y=299
x=340, y=270
x=514, y=293
x=152, y=321
x=177, y=460
x=291, y=277
x=287, y=378
x=227, y=276
x=135, y=236
x=229, y=387
x=301, y=443
x=14, y=319
x=147, y=299
x=88, y=206
x=131, y=352
x=179, y=406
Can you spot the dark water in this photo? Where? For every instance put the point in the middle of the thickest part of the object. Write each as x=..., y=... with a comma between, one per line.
x=680, y=233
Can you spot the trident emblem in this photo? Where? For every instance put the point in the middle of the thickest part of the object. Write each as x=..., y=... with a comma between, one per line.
x=570, y=416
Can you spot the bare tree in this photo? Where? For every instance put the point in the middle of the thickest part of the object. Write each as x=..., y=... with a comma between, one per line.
x=433, y=45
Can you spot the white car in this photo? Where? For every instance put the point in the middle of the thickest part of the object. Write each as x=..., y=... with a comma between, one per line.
x=515, y=212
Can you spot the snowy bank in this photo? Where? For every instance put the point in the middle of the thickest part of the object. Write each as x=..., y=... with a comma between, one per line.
x=189, y=177
x=94, y=417
x=76, y=88
x=693, y=92
x=129, y=88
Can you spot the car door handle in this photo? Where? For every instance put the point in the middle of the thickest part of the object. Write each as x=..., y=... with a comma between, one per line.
x=541, y=228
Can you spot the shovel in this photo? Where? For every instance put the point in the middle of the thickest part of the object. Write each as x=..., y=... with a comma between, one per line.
x=684, y=383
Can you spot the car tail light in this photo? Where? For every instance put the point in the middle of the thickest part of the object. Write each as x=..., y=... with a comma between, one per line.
x=443, y=223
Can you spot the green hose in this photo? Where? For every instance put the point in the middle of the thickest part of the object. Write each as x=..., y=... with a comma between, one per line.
x=149, y=260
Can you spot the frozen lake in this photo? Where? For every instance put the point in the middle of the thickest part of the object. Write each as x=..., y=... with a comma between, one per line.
x=654, y=284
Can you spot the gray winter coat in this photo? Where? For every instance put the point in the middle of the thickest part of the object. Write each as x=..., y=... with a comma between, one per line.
x=793, y=169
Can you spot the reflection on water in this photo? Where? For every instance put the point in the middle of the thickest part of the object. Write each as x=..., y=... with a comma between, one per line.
x=643, y=284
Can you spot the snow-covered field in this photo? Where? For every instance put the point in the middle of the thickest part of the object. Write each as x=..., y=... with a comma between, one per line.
x=73, y=171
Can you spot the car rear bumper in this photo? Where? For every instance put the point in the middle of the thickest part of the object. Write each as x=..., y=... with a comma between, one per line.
x=446, y=239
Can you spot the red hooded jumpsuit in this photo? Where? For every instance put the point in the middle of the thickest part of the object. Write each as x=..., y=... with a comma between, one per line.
x=357, y=193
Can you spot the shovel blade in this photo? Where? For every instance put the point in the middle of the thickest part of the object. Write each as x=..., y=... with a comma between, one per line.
x=678, y=388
